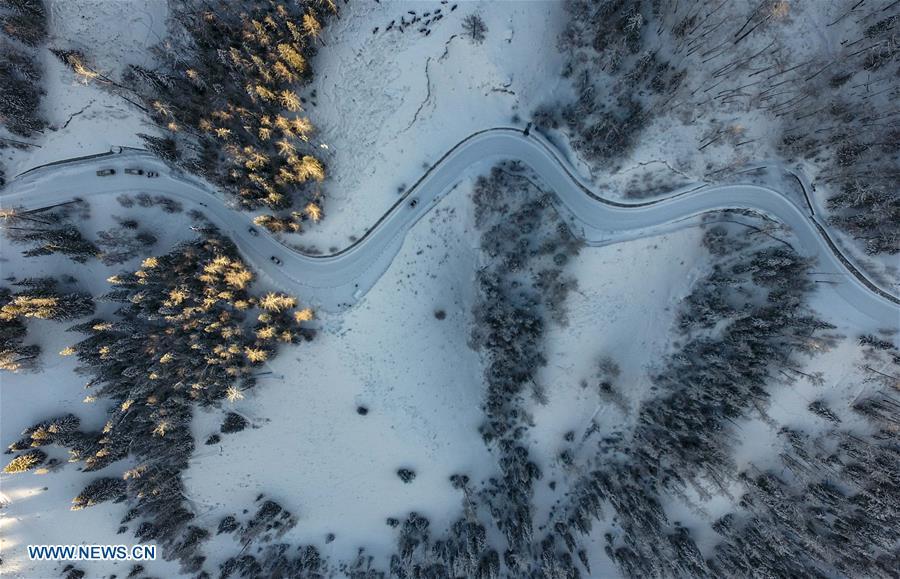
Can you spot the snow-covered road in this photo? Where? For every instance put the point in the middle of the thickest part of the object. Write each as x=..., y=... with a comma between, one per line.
x=334, y=280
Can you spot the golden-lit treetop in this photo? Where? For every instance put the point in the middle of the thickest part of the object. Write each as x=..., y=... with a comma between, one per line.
x=26, y=306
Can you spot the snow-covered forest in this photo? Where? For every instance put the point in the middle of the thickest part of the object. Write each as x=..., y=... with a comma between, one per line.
x=438, y=289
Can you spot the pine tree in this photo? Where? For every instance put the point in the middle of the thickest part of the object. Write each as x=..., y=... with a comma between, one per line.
x=49, y=230
x=25, y=462
x=24, y=27
x=99, y=491
x=254, y=57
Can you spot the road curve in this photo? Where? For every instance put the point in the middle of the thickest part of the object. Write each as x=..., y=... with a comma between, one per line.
x=335, y=280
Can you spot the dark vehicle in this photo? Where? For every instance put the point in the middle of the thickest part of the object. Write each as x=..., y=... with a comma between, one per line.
x=413, y=203
x=275, y=260
x=253, y=232
x=106, y=172
x=134, y=171
x=152, y=174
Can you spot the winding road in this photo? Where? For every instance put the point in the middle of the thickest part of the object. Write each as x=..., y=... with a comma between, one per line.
x=336, y=280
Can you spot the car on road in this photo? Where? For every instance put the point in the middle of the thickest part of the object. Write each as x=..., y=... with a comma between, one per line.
x=131, y=171
x=106, y=172
x=413, y=203
x=152, y=174
x=253, y=232
x=275, y=260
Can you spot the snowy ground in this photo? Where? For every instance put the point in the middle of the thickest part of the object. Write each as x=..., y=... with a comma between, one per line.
x=676, y=146
x=313, y=453
x=374, y=92
x=38, y=505
x=625, y=308
x=84, y=119
x=307, y=447
x=310, y=451
x=609, y=316
x=391, y=103
x=842, y=383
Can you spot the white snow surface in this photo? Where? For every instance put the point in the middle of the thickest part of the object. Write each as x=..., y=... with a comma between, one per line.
x=38, y=505
x=383, y=119
x=421, y=383
x=85, y=119
x=391, y=103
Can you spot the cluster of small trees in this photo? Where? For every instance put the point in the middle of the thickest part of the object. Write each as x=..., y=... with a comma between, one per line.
x=269, y=522
x=846, y=128
x=277, y=560
x=59, y=431
x=225, y=97
x=145, y=200
x=50, y=230
x=463, y=552
x=24, y=26
x=26, y=461
x=522, y=287
x=832, y=508
x=38, y=298
x=609, y=66
x=755, y=326
x=123, y=242
x=188, y=330
x=99, y=491
x=710, y=65
x=53, y=230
